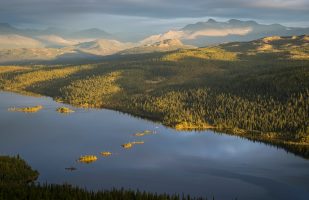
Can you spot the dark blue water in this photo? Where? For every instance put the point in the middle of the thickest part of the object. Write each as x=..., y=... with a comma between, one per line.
x=197, y=163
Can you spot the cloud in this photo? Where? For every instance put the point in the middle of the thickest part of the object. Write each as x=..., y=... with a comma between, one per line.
x=58, y=10
x=219, y=32
x=185, y=35
x=281, y=4
x=150, y=8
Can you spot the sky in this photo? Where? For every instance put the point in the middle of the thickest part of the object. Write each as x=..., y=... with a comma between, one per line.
x=152, y=16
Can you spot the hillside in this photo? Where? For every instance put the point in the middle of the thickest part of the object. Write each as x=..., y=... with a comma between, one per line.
x=31, y=54
x=292, y=47
x=17, y=41
x=56, y=41
x=51, y=48
x=102, y=47
x=257, y=90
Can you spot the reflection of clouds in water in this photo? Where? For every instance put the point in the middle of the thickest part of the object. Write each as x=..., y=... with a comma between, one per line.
x=231, y=150
x=209, y=144
x=277, y=190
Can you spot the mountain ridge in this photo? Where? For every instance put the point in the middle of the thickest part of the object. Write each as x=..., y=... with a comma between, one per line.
x=214, y=32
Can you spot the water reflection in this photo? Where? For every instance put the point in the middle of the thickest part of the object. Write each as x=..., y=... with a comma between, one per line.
x=199, y=163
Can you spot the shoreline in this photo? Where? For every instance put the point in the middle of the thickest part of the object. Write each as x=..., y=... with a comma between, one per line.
x=297, y=148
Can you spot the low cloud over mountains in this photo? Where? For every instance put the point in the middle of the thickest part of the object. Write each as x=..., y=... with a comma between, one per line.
x=96, y=42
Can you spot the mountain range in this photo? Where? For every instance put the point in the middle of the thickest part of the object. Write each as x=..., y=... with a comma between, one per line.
x=55, y=42
x=213, y=32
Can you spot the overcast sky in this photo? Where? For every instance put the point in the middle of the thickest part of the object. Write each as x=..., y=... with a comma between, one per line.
x=150, y=15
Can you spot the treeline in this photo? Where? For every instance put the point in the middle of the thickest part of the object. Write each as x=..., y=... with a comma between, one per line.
x=200, y=108
x=67, y=192
x=17, y=183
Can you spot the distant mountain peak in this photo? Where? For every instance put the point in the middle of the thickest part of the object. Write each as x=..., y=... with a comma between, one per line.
x=6, y=28
x=234, y=21
x=91, y=33
x=252, y=22
x=5, y=25
x=211, y=21
x=93, y=29
x=238, y=22
x=102, y=46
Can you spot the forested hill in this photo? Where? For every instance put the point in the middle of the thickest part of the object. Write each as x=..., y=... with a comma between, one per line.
x=258, y=90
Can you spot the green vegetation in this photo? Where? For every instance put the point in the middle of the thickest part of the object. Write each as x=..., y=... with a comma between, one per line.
x=17, y=182
x=27, y=109
x=11, y=69
x=64, y=110
x=258, y=90
x=212, y=53
x=33, y=80
x=127, y=145
x=15, y=171
x=88, y=159
x=92, y=91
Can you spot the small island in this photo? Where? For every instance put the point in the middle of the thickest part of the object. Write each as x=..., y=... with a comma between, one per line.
x=131, y=144
x=64, y=110
x=127, y=145
x=146, y=132
x=88, y=159
x=26, y=109
x=106, y=153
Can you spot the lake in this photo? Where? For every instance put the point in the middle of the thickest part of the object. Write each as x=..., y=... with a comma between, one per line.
x=197, y=163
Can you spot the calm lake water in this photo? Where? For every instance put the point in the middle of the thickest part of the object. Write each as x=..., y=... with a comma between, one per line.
x=197, y=163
